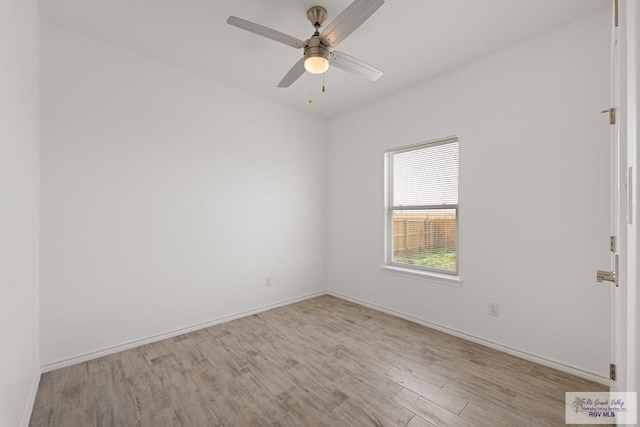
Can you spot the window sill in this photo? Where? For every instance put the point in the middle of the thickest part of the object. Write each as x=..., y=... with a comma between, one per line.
x=441, y=279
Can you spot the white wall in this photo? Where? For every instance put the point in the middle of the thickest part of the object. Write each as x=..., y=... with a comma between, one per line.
x=534, y=196
x=19, y=137
x=166, y=199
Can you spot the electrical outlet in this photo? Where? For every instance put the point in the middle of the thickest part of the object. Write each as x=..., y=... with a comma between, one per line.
x=267, y=282
x=494, y=309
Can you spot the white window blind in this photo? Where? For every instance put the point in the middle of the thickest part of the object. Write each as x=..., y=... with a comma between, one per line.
x=426, y=176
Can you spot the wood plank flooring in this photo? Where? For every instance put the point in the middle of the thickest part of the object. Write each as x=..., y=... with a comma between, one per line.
x=323, y=361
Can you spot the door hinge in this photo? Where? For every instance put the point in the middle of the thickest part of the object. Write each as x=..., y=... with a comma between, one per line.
x=610, y=276
x=612, y=115
x=612, y=371
x=612, y=243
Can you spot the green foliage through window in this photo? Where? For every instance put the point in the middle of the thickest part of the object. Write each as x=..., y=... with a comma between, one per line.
x=441, y=260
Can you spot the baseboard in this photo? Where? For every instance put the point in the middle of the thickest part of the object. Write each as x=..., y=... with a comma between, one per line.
x=69, y=361
x=31, y=399
x=591, y=376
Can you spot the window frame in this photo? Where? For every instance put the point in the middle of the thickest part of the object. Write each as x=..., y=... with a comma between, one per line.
x=411, y=269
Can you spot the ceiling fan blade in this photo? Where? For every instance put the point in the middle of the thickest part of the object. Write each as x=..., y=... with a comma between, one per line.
x=350, y=19
x=265, y=32
x=354, y=65
x=294, y=74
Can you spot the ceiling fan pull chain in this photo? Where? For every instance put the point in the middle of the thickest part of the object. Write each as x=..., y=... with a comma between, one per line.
x=323, y=88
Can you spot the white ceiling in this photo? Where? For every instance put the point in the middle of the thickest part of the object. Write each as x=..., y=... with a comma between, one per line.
x=410, y=40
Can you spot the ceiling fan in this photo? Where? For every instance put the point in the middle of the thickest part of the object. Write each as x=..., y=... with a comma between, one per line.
x=319, y=50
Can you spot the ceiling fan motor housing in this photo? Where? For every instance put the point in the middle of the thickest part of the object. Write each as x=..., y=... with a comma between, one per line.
x=315, y=48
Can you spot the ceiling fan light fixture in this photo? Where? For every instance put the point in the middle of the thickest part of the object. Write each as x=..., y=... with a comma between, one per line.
x=316, y=56
x=316, y=64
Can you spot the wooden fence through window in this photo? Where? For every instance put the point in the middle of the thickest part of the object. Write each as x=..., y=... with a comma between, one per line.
x=424, y=232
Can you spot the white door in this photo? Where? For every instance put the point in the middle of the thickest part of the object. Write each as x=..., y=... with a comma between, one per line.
x=615, y=276
x=619, y=212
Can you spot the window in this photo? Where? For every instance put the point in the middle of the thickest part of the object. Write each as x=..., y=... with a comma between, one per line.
x=422, y=207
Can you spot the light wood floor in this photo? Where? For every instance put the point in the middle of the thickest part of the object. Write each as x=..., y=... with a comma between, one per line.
x=323, y=361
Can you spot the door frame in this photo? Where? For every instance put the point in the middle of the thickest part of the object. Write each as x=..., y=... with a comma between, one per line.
x=628, y=295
